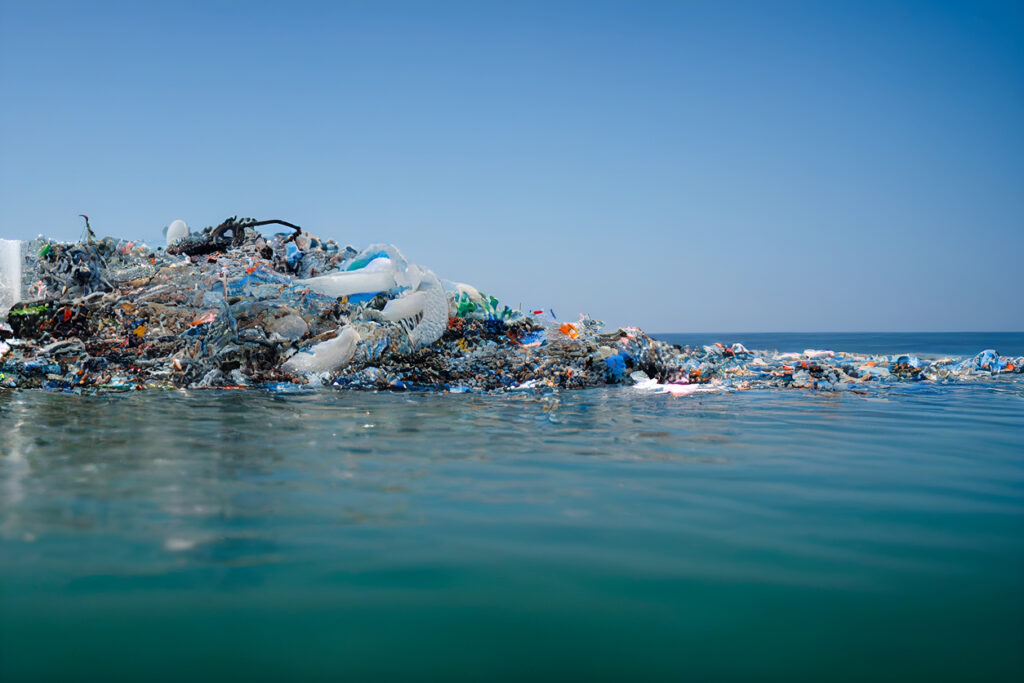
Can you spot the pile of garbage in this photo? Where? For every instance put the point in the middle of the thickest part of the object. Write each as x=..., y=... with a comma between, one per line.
x=234, y=307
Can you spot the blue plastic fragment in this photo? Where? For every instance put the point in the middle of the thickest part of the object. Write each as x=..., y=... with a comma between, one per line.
x=536, y=336
x=285, y=388
x=361, y=298
x=293, y=256
x=363, y=262
x=616, y=367
x=40, y=367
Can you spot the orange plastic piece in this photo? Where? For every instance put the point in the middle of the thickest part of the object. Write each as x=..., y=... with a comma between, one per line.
x=569, y=329
x=209, y=317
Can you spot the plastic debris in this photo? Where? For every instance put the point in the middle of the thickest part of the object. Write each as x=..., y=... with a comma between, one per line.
x=10, y=274
x=232, y=307
x=175, y=232
x=327, y=356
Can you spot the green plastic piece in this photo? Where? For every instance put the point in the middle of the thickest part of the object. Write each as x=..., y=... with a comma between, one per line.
x=466, y=306
x=29, y=310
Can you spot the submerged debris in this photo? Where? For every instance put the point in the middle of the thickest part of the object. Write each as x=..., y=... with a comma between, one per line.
x=229, y=307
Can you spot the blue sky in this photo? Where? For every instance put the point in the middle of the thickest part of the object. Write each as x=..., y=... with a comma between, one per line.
x=682, y=166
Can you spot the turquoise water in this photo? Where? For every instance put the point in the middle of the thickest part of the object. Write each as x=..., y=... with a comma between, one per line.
x=602, y=534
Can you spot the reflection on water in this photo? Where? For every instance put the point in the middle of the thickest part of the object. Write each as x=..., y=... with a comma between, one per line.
x=601, y=533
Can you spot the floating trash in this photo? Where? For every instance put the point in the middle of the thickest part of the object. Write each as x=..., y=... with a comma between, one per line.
x=230, y=307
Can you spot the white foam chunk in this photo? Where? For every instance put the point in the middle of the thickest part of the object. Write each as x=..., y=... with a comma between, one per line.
x=435, y=312
x=363, y=281
x=404, y=307
x=176, y=230
x=326, y=356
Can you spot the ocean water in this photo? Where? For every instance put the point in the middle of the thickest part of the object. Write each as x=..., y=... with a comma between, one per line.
x=603, y=534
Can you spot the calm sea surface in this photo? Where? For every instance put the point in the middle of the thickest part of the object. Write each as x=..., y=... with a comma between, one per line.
x=604, y=534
